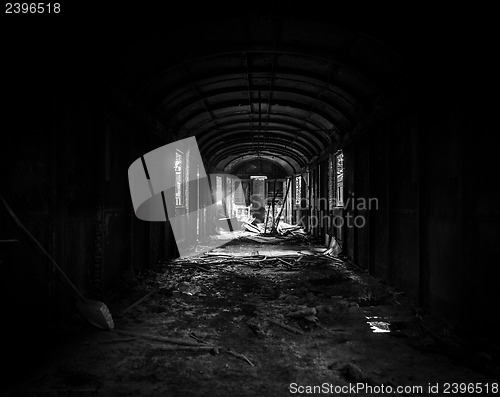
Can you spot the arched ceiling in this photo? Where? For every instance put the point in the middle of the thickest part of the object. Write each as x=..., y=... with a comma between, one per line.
x=281, y=89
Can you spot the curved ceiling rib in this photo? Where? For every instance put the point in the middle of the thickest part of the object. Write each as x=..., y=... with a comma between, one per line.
x=279, y=144
x=306, y=64
x=260, y=166
x=236, y=99
x=273, y=89
x=280, y=119
x=325, y=114
x=292, y=83
x=233, y=162
x=312, y=146
x=249, y=147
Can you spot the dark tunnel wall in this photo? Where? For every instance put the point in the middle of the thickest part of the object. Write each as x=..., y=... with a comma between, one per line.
x=64, y=173
x=431, y=235
x=380, y=163
x=460, y=280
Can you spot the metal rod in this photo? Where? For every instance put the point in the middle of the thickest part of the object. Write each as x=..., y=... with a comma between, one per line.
x=274, y=199
x=284, y=199
x=40, y=247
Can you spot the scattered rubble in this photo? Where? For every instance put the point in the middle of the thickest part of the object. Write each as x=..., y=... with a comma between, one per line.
x=260, y=314
x=258, y=232
x=354, y=374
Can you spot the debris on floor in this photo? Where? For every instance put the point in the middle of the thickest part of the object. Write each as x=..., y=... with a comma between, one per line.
x=250, y=318
x=266, y=234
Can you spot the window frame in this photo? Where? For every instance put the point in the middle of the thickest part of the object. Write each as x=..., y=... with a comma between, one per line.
x=298, y=189
x=338, y=183
x=180, y=193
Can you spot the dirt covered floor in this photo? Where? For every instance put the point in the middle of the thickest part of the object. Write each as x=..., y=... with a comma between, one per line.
x=256, y=319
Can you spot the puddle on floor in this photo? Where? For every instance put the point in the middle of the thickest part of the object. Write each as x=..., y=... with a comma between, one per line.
x=378, y=324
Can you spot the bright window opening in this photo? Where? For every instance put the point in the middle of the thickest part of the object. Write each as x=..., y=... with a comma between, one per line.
x=298, y=189
x=179, y=177
x=339, y=179
x=218, y=190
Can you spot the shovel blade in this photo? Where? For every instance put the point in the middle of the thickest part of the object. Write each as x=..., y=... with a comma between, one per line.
x=96, y=313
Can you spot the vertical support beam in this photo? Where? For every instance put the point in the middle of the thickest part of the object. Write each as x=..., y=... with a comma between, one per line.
x=199, y=219
x=100, y=165
x=371, y=215
x=390, y=266
x=422, y=216
x=353, y=196
x=54, y=190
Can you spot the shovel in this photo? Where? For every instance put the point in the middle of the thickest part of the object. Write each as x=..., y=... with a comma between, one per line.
x=96, y=313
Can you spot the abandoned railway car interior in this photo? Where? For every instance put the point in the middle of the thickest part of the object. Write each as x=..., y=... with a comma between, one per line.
x=255, y=199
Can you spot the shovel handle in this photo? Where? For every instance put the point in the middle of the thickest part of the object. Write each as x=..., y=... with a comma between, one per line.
x=40, y=247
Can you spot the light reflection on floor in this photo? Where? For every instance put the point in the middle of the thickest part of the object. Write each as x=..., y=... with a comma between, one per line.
x=378, y=325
